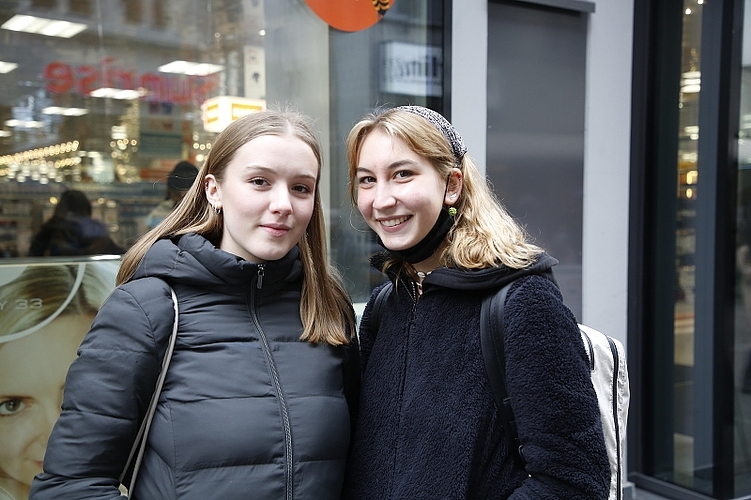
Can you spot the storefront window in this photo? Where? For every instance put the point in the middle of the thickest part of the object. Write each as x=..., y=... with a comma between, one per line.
x=742, y=392
x=106, y=97
x=693, y=419
x=678, y=435
x=689, y=460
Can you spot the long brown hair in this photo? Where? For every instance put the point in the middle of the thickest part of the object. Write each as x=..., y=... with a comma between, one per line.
x=484, y=233
x=325, y=307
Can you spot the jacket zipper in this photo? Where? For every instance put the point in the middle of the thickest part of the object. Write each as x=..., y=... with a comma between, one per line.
x=261, y=274
x=283, y=407
x=415, y=296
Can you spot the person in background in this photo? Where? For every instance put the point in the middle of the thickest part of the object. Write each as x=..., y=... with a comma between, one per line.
x=178, y=184
x=46, y=312
x=263, y=383
x=428, y=425
x=72, y=231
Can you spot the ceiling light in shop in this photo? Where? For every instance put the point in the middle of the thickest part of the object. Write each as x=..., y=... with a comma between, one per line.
x=7, y=67
x=5, y=133
x=41, y=153
x=24, y=123
x=691, y=82
x=41, y=26
x=190, y=68
x=124, y=94
x=56, y=110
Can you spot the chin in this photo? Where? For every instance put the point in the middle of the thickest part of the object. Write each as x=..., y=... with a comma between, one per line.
x=396, y=248
x=271, y=256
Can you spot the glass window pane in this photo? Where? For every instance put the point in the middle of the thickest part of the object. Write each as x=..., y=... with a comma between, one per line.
x=109, y=102
x=743, y=276
x=688, y=459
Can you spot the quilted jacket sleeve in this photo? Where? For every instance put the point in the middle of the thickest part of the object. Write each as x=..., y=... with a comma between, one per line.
x=552, y=397
x=107, y=391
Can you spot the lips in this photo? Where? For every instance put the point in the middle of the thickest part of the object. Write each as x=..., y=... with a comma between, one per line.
x=393, y=222
x=276, y=229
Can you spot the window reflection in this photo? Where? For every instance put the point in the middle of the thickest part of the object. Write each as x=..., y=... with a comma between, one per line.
x=743, y=277
x=684, y=425
x=107, y=97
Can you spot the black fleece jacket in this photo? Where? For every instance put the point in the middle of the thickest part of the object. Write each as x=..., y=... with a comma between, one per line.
x=428, y=426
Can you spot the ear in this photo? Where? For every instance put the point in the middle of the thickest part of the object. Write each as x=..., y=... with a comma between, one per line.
x=455, y=185
x=213, y=190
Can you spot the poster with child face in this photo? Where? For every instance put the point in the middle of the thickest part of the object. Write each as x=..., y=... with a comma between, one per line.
x=45, y=311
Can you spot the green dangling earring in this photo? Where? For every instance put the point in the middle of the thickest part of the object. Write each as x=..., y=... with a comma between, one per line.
x=452, y=211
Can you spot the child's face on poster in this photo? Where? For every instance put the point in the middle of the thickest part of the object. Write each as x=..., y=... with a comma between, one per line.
x=32, y=376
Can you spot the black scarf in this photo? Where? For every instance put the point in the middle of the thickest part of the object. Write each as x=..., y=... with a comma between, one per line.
x=429, y=244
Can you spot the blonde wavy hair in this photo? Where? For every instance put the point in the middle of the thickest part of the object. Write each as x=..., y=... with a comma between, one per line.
x=484, y=234
x=325, y=307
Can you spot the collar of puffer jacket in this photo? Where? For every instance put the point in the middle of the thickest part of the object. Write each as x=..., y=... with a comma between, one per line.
x=193, y=260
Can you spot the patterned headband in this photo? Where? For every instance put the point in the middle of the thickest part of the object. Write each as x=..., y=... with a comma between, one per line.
x=444, y=127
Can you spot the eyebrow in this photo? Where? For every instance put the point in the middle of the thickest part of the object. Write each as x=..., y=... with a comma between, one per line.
x=301, y=175
x=392, y=166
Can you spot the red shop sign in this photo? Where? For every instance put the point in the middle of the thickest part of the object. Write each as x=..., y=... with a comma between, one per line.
x=62, y=78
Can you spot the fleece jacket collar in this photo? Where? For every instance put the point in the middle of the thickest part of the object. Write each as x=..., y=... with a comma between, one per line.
x=481, y=279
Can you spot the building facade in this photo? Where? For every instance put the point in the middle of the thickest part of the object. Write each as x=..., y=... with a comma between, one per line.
x=616, y=131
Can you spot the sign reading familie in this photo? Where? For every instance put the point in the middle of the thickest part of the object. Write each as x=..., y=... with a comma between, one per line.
x=63, y=78
x=411, y=69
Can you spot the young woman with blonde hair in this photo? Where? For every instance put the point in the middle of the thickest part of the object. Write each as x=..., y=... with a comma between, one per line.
x=428, y=424
x=257, y=400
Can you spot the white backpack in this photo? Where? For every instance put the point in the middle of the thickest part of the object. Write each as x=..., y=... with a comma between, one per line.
x=607, y=362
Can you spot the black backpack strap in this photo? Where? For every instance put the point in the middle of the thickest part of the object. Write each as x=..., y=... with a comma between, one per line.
x=375, y=313
x=491, y=340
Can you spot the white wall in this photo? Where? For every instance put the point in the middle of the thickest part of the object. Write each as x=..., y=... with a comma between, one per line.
x=469, y=69
x=606, y=167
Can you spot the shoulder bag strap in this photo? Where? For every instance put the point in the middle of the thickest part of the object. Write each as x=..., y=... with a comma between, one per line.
x=491, y=340
x=375, y=313
x=139, y=445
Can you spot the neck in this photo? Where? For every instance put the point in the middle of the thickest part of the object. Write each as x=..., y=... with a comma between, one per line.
x=431, y=262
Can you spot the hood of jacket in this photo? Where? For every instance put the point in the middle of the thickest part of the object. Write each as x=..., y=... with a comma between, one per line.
x=192, y=260
x=481, y=279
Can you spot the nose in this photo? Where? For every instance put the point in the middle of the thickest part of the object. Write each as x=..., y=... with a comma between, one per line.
x=281, y=201
x=383, y=196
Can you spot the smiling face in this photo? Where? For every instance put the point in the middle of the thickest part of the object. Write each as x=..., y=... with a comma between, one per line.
x=399, y=192
x=32, y=375
x=267, y=195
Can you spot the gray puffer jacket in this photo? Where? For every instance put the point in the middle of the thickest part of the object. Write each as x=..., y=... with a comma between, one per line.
x=247, y=409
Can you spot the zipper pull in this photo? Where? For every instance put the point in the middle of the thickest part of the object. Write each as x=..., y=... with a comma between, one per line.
x=261, y=272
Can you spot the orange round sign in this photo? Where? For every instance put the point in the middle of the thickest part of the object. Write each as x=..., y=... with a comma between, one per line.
x=350, y=15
